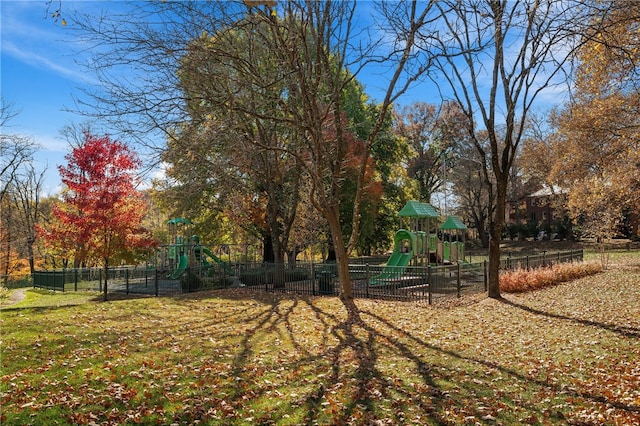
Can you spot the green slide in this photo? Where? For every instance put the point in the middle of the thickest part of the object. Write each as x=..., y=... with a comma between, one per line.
x=219, y=261
x=400, y=257
x=395, y=266
x=181, y=267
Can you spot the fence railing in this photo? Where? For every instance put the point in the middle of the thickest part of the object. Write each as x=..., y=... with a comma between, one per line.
x=15, y=280
x=412, y=283
x=118, y=279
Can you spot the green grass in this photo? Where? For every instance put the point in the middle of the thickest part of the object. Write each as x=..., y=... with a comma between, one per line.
x=567, y=354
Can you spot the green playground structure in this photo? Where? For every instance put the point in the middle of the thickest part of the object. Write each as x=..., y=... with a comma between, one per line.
x=418, y=245
x=182, y=253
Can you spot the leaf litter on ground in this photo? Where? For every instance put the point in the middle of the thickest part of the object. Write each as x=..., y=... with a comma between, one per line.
x=568, y=354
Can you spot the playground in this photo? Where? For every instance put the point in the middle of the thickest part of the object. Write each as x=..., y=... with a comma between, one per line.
x=427, y=263
x=182, y=253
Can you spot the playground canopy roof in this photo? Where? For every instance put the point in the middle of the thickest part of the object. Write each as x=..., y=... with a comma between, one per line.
x=418, y=209
x=453, y=222
x=178, y=220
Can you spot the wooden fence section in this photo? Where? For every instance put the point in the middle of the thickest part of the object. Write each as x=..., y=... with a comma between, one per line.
x=410, y=283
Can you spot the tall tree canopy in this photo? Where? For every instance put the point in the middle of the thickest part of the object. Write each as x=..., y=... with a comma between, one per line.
x=597, y=144
x=315, y=57
x=433, y=134
x=102, y=211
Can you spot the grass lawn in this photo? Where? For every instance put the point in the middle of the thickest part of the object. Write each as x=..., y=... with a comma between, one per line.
x=565, y=355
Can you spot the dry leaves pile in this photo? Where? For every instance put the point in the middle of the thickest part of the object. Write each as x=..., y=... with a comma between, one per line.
x=569, y=354
x=522, y=280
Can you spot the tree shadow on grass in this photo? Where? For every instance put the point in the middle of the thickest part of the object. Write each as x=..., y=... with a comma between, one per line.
x=342, y=374
x=495, y=365
x=624, y=331
x=352, y=380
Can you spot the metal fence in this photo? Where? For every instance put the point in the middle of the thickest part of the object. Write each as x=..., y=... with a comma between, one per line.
x=15, y=280
x=411, y=283
x=370, y=281
x=121, y=279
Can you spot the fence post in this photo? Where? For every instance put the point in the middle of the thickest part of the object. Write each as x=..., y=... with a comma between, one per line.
x=126, y=279
x=100, y=279
x=266, y=274
x=527, y=262
x=485, y=276
x=155, y=281
x=544, y=258
x=458, y=287
x=224, y=276
x=313, y=278
x=429, y=282
x=75, y=279
x=64, y=276
x=367, y=277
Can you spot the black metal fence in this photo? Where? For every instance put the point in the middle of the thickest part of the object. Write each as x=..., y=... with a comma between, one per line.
x=15, y=280
x=121, y=279
x=411, y=283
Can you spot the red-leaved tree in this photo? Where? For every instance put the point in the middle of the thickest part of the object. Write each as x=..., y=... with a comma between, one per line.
x=101, y=209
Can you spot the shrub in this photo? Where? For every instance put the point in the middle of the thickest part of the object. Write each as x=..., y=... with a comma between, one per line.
x=521, y=280
x=5, y=293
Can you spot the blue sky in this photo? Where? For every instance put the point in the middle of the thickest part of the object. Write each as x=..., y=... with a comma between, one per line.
x=39, y=76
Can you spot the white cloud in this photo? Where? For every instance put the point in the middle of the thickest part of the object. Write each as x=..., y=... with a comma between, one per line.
x=57, y=66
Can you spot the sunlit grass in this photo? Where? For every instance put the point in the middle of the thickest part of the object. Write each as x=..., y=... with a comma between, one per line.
x=566, y=354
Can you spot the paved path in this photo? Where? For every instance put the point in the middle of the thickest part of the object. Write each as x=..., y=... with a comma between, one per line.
x=16, y=296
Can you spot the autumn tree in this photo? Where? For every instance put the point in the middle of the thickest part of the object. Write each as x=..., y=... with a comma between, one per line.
x=496, y=58
x=432, y=133
x=27, y=198
x=314, y=45
x=471, y=189
x=20, y=186
x=102, y=210
x=596, y=148
x=15, y=150
x=315, y=51
x=236, y=134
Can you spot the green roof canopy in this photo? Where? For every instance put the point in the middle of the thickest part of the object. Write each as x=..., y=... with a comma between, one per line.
x=418, y=209
x=178, y=220
x=453, y=222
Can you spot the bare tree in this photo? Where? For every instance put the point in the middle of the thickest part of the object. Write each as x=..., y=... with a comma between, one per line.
x=15, y=150
x=497, y=58
x=471, y=189
x=28, y=193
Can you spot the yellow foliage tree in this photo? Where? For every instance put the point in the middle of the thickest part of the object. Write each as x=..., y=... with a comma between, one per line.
x=597, y=145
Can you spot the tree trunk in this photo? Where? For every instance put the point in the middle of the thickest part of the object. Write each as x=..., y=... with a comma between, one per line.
x=342, y=256
x=493, y=284
x=268, y=256
x=106, y=277
x=32, y=265
x=495, y=229
x=484, y=236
